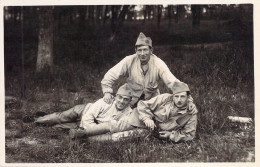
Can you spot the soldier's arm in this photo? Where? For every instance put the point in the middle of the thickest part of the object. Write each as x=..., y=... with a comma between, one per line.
x=166, y=75
x=112, y=75
x=169, y=79
x=146, y=108
x=186, y=133
x=88, y=119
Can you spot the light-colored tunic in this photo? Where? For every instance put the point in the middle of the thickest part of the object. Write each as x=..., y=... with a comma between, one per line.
x=165, y=113
x=102, y=112
x=139, y=83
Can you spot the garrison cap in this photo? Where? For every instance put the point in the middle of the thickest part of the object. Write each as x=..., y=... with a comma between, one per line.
x=124, y=90
x=180, y=87
x=143, y=40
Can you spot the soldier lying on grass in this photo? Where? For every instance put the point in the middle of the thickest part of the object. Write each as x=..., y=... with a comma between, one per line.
x=168, y=114
x=96, y=118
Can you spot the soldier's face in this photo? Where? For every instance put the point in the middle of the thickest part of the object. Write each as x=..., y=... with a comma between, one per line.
x=122, y=101
x=180, y=99
x=144, y=53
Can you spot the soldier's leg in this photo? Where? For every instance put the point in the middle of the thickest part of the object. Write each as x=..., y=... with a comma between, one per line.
x=98, y=129
x=70, y=115
x=67, y=126
x=92, y=131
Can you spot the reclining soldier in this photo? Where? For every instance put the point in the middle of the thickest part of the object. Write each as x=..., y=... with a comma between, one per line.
x=96, y=118
x=169, y=114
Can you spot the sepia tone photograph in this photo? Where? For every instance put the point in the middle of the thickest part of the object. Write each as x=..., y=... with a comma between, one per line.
x=140, y=83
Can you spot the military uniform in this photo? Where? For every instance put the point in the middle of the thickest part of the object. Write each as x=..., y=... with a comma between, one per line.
x=162, y=109
x=90, y=115
x=139, y=83
x=142, y=81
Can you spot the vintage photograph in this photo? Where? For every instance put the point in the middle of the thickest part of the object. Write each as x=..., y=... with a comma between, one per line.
x=139, y=83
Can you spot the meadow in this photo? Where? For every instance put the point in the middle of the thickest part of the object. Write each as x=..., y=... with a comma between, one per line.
x=214, y=60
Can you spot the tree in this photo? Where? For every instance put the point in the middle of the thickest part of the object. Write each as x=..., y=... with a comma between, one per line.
x=82, y=14
x=45, y=42
x=22, y=54
x=180, y=10
x=131, y=13
x=117, y=22
x=169, y=14
x=149, y=11
x=159, y=15
x=196, y=13
x=114, y=10
x=99, y=9
x=121, y=17
x=154, y=12
x=105, y=10
x=62, y=15
x=16, y=13
x=144, y=13
x=91, y=10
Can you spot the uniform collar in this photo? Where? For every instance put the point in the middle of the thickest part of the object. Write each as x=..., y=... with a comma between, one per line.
x=181, y=110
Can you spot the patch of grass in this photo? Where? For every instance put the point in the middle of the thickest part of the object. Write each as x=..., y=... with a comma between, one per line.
x=206, y=148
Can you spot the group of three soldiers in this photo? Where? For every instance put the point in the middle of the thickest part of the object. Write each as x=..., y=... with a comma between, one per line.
x=138, y=103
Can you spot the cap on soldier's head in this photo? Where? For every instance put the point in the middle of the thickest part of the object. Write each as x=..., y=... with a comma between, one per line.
x=124, y=90
x=143, y=40
x=179, y=87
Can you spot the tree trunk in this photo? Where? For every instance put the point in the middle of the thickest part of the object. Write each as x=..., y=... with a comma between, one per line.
x=154, y=12
x=149, y=11
x=196, y=12
x=122, y=15
x=120, y=21
x=82, y=13
x=91, y=13
x=170, y=14
x=131, y=13
x=159, y=12
x=22, y=51
x=144, y=12
x=82, y=16
x=45, y=43
x=99, y=13
x=105, y=10
x=179, y=10
x=113, y=19
x=17, y=13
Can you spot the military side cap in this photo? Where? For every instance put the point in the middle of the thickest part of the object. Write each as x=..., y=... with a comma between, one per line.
x=143, y=40
x=124, y=90
x=179, y=87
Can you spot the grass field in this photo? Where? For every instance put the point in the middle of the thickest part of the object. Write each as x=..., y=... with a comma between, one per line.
x=219, y=73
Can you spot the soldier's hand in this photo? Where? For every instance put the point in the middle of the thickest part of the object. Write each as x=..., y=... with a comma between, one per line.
x=190, y=99
x=108, y=98
x=150, y=124
x=123, y=125
x=192, y=108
